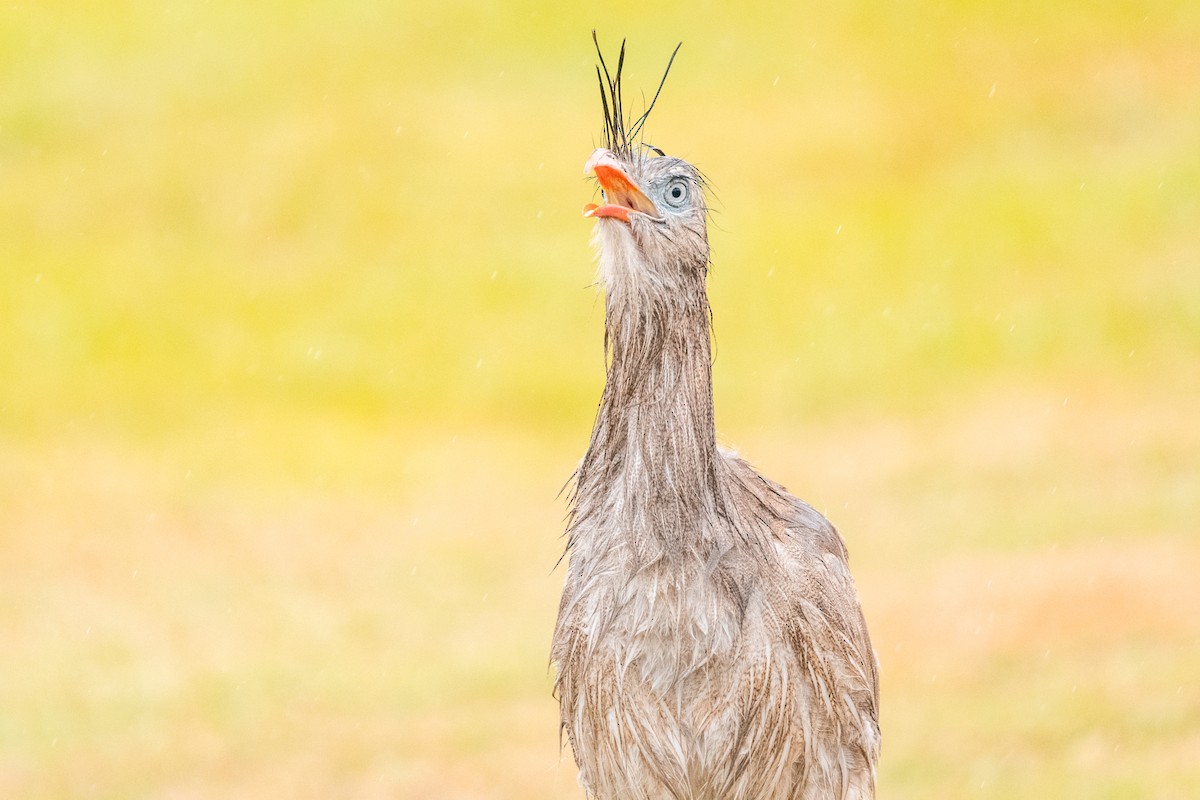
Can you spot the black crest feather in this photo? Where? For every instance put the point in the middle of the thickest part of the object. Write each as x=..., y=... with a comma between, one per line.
x=619, y=137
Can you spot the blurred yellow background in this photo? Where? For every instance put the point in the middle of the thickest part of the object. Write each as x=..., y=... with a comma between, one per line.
x=298, y=343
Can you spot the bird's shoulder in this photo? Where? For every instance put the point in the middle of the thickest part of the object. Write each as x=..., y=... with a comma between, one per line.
x=809, y=574
x=793, y=523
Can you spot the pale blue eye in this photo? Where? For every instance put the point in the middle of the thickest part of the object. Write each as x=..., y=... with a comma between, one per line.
x=676, y=194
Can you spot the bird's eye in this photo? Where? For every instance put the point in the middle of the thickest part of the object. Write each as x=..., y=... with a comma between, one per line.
x=676, y=194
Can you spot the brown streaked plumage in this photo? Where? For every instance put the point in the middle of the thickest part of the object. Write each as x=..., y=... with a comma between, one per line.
x=709, y=643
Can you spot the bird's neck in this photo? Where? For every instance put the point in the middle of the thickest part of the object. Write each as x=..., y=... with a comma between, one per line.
x=653, y=450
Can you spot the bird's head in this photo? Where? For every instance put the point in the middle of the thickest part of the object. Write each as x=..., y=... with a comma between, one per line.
x=651, y=226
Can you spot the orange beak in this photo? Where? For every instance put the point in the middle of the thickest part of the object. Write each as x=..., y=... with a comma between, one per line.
x=622, y=197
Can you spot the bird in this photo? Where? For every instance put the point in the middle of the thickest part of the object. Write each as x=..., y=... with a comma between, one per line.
x=709, y=643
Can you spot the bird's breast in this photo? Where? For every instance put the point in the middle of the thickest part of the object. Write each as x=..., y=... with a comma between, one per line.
x=673, y=622
x=674, y=665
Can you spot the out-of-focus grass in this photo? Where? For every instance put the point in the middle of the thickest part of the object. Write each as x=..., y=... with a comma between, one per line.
x=298, y=346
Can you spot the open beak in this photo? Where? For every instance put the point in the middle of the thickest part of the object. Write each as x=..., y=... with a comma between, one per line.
x=622, y=197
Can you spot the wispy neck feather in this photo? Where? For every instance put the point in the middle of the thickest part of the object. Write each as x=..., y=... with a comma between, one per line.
x=654, y=445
